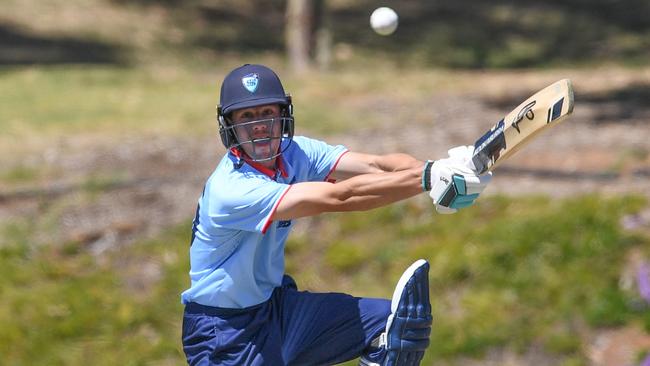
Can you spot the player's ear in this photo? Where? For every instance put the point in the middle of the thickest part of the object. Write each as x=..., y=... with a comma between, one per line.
x=227, y=135
x=289, y=107
x=287, y=111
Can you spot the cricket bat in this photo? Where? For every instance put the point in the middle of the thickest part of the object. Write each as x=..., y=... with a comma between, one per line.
x=544, y=109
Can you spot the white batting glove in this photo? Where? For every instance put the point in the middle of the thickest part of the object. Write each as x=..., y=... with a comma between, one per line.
x=461, y=155
x=452, y=181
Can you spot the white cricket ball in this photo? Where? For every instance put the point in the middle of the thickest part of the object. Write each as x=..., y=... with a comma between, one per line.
x=384, y=20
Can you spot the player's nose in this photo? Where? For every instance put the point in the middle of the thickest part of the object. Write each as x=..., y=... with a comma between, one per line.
x=260, y=129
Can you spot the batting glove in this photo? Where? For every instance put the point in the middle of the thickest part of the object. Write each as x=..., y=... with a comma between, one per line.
x=452, y=182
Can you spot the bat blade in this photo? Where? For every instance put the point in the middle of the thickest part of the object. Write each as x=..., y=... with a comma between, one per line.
x=544, y=109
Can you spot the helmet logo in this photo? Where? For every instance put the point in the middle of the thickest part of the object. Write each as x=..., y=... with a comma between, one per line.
x=250, y=82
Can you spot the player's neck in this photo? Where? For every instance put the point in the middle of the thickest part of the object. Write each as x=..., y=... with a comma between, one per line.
x=269, y=167
x=269, y=164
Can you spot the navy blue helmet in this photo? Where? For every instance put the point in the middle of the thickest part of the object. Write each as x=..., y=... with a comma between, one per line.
x=251, y=86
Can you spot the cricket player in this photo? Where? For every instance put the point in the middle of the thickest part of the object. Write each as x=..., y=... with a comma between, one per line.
x=241, y=308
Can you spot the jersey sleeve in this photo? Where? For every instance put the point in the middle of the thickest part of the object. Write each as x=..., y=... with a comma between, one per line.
x=322, y=157
x=246, y=205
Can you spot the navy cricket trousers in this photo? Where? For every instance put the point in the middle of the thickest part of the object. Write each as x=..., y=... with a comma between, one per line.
x=291, y=328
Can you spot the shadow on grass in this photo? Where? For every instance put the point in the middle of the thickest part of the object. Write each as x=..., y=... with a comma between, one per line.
x=21, y=48
x=237, y=30
x=470, y=34
x=505, y=34
x=625, y=105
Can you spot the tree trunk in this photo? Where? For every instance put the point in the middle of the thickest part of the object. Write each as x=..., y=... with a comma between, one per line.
x=298, y=34
x=323, y=35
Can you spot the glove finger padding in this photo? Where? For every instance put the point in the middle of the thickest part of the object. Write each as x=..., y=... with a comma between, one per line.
x=476, y=183
x=462, y=153
x=455, y=185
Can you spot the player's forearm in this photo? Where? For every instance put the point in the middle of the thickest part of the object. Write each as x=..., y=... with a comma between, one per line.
x=368, y=191
x=397, y=162
x=358, y=193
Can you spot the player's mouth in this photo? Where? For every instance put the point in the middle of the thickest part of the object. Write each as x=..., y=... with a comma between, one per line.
x=262, y=147
x=262, y=141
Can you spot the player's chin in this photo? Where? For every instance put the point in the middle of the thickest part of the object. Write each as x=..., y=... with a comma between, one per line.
x=264, y=151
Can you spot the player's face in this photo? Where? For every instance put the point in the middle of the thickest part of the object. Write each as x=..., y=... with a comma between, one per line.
x=259, y=130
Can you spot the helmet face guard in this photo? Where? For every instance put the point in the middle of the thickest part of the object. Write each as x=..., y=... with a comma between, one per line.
x=267, y=145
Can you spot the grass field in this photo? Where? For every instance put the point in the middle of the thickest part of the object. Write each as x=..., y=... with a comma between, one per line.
x=41, y=106
x=509, y=273
x=537, y=273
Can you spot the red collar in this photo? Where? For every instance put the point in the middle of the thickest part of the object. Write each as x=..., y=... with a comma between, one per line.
x=261, y=168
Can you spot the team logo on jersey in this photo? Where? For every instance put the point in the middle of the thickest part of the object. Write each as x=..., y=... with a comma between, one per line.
x=284, y=223
x=250, y=82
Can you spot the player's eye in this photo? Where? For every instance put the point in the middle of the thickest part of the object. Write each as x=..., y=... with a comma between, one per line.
x=246, y=116
x=268, y=112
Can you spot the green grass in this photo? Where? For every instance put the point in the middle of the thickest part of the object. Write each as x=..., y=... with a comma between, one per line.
x=56, y=101
x=507, y=273
x=42, y=106
x=19, y=174
x=61, y=306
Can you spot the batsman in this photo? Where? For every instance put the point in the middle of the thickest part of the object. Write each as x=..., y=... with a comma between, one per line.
x=241, y=308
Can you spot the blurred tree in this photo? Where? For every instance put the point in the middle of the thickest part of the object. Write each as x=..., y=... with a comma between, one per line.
x=444, y=33
x=323, y=36
x=299, y=20
x=306, y=34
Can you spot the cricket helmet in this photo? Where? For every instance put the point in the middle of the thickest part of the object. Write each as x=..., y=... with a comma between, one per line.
x=250, y=86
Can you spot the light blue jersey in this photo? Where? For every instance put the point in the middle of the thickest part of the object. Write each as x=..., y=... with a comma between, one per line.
x=237, y=252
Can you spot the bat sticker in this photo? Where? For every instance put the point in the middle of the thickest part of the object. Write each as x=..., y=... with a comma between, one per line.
x=488, y=148
x=555, y=111
x=527, y=111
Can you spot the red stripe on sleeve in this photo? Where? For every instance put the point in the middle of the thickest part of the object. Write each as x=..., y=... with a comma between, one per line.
x=327, y=177
x=275, y=207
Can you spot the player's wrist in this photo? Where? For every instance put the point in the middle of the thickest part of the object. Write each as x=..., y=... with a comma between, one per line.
x=426, y=176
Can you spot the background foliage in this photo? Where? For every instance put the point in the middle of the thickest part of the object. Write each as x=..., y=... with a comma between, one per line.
x=510, y=274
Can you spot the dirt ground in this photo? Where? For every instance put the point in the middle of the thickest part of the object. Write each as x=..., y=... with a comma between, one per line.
x=146, y=186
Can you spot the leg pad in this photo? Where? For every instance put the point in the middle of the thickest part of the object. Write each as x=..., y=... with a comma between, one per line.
x=409, y=326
